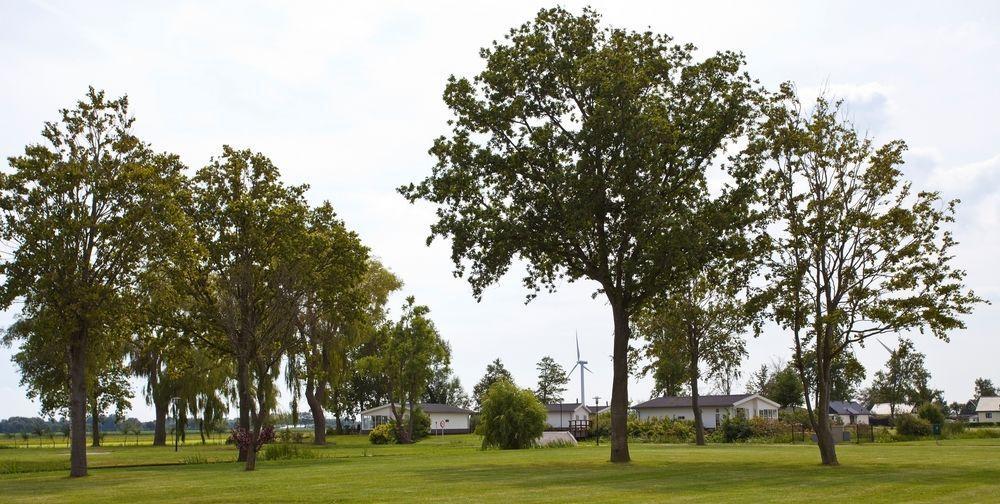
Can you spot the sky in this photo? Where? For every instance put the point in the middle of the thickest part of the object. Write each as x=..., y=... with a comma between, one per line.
x=347, y=99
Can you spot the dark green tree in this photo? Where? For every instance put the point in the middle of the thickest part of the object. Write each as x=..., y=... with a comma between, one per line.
x=552, y=381
x=582, y=151
x=85, y=211
x=984, y=388
x=247, y=278
x=446, y=388
x=857, y=253
x=494, y=373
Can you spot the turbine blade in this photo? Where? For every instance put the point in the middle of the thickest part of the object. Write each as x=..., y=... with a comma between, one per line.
x=588, y=369
x=577, y=347
x=572, y=368
x=887, y=349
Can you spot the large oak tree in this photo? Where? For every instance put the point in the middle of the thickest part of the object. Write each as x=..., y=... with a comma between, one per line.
x=580, y=150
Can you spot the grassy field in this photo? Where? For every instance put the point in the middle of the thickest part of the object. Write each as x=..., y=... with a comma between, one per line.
x=453, y=468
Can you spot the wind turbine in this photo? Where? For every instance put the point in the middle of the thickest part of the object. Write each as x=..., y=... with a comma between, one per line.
x=582, y=364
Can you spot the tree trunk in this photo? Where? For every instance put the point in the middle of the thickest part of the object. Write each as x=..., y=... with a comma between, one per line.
x=409, y=425
x=824, y=434
x=398, y=417
x=694, y=355
x=242, y=384
x=319, y=416
x=619, y=383
x=95, y=424
x=161, y=408
x=251, y=453
x=77, y=406
x=201, y=429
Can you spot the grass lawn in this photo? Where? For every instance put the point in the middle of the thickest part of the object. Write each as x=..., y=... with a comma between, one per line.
x=453, y=468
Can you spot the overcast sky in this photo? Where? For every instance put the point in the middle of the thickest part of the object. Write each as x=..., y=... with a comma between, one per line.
x=348, y=100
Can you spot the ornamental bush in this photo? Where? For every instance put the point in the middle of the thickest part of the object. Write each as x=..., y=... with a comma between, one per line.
x=510, y=418
x=383, y=434
x=911, y=425
x=242, y=437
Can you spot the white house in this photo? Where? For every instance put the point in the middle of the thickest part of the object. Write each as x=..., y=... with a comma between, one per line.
x=885, y=409
x=714, y=408
x=988, y=410
x=559, y=415
x=849, y=413
x=445, y=419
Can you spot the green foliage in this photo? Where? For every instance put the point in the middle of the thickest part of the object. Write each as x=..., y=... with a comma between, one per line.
x=421, y=423
x=911, y=425
x=408, y=351
x=510, y=418
x=583, y=151
x=858, y=253
x=932, y=413
x=984, y=388
x=660, y=430
x=552, y=381
x=383, y=434
x=494, y=372
x=285, y=451
x=86, y=214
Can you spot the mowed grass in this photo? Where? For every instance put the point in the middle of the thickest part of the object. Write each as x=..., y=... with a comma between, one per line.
x=453, y=468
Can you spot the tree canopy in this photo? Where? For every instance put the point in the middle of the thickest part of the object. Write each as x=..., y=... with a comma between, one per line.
x=583, y=151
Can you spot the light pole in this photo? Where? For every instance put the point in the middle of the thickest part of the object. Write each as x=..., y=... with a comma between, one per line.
x=597, y=420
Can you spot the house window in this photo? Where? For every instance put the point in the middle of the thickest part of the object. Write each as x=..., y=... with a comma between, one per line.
x=989, y=414
x=741, y=412
x=680, y=417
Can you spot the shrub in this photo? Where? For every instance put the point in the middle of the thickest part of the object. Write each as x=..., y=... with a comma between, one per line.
x=736, y=429
x=330, y=431
x=660, y=430
x=421, y=423
x=950, y=429
x=932, y=413
x=910, y=425
x=510, y=418
x=383, y=434
x=242, y=437
x=286, y=451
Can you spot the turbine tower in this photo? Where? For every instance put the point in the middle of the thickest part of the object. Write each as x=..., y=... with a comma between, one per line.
x=582, y=364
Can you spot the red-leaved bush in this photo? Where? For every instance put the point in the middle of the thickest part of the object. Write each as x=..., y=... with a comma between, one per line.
x=241, y=437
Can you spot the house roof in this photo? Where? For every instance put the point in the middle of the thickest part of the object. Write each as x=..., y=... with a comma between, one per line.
x=705, y=401
x=883, y=409
x=427, y=407
x=564, y=407
x=848, y=408
x=988, y=404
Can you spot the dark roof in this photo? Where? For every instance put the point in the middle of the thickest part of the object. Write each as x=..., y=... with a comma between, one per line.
x=685, y=401
x=443, y=408
x=564, y=407
x=848, y=408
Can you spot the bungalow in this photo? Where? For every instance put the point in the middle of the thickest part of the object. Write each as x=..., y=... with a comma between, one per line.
x=445, y=419
x=849, y=413
x=988, y=410
x=713, y=408
x=559, y=415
